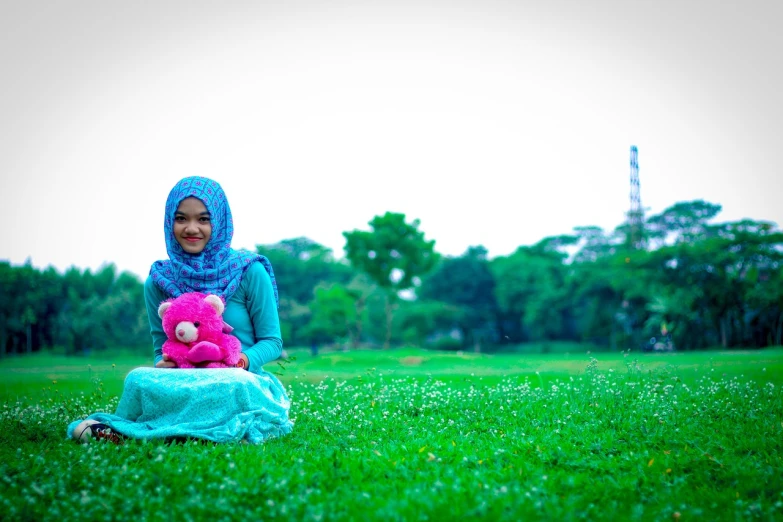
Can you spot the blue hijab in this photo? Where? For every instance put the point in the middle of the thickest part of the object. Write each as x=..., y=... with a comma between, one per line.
x=218, y=269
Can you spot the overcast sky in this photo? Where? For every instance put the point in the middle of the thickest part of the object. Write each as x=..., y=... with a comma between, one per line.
x=494, y=123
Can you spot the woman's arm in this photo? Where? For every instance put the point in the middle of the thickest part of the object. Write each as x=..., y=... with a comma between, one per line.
x=262, y=307
x=153, y=296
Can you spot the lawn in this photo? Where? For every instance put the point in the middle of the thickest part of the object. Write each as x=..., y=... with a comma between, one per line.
x=416, y=435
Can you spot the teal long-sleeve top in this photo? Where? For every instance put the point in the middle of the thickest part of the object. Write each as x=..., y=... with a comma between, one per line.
x=251, y=311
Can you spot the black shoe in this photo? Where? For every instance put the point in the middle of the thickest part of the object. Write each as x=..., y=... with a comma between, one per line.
x=104, y=432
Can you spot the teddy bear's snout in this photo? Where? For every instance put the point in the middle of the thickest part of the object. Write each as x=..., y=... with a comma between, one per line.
x=186, y=332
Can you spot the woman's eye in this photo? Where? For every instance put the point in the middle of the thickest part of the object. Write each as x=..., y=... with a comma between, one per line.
x=204, y=220
x=196, y=324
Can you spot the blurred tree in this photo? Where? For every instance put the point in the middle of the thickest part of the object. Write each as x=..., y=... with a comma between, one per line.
x=684, y=221
x=532, y=287
x=360, y=289
x=764, y=300
x=394, y=254
x=467, y=282
x=300, y=265
x=596, y=301
x=424, y=323
x=102, y=310
x=709, y=284
x=593, y=244
x=333, y=316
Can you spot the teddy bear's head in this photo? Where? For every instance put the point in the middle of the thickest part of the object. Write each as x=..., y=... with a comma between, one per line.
x=192, y=316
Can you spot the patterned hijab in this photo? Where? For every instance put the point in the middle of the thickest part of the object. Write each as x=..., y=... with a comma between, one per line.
x=218, y=269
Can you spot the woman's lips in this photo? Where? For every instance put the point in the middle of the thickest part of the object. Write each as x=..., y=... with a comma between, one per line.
x=192, y=239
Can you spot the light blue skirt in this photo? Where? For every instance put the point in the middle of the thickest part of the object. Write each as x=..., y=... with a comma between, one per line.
x=221, y=405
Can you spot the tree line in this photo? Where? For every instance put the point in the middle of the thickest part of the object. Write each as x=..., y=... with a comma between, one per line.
x=690, y=283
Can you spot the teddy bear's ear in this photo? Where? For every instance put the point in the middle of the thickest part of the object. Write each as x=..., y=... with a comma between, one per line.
x=162, y=308
x=216, y=303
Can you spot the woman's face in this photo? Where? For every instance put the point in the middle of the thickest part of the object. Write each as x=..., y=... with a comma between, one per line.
x=192, y=225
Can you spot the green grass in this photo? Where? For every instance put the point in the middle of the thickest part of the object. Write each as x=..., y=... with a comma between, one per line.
x=417, y=435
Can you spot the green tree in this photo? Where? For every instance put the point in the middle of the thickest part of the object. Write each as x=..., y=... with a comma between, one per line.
x=732, y=254
x=532, y=288
x=597, y=302
x=300, y=265
x=425, y=323
x=684, y=221
x=101, y=310
x=764, y=300
x=333, y=316
x=26, y=305
x=709, y=281
x=593, y=244
x=467, y=282
x=360, y=289
x=394, y=254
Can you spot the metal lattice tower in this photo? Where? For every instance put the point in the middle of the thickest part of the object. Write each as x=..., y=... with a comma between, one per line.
x=635, y=214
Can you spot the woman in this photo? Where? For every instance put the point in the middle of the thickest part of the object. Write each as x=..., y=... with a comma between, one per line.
x=198, y=229
x=222, y=405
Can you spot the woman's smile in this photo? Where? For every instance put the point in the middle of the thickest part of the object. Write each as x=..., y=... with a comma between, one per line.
x=192, y=217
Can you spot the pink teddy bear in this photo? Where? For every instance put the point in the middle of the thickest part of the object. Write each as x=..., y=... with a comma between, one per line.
x=197, y=335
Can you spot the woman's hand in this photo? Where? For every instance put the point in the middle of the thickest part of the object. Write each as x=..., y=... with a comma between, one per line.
x=166, y=362
x=244, y=362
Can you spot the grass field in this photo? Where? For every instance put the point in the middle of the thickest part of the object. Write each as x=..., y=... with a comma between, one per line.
x=417, y=435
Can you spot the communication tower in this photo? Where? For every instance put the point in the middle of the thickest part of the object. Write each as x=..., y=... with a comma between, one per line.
x=635, y=214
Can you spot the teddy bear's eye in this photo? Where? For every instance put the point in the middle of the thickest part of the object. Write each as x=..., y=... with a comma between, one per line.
x=195, y=324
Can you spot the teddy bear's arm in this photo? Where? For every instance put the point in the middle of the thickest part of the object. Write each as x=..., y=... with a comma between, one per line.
x=177, y=352
x=232, y=348
x=204, y=351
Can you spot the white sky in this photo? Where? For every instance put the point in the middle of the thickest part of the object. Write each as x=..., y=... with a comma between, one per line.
x=494, y=123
